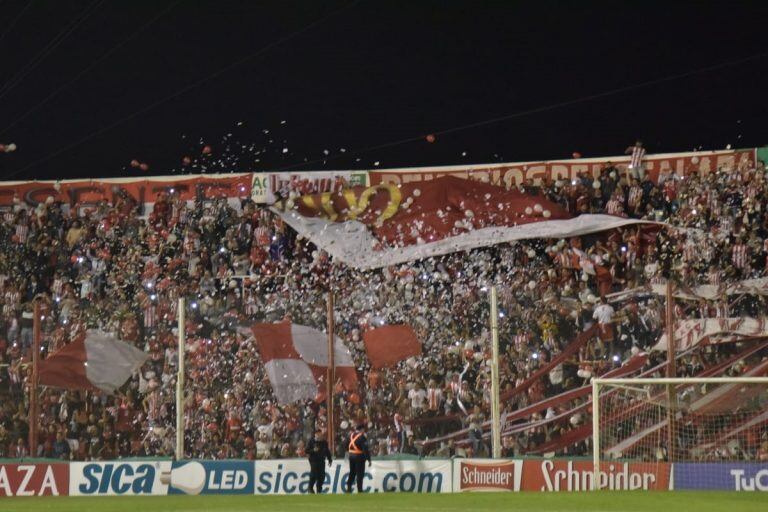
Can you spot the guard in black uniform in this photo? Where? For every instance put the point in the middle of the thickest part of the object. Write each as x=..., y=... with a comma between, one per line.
x=317, y=452
x=358, y=454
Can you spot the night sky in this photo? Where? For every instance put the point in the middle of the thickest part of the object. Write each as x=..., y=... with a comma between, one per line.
x=89, y=85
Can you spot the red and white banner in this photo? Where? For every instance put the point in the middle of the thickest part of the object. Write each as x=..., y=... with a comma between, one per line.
x=387, y=224
x=689, y=333
x=569, y=475
x=510, y=174
x=34, y=479
x=142, y=192
x=486, y=475
x=296, y=360
x=95, y=361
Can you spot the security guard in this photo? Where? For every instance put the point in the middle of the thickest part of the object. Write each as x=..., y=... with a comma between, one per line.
x=317, y=451
x=358, y=454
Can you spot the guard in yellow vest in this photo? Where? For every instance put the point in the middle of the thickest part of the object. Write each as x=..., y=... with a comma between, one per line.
x=358, y=454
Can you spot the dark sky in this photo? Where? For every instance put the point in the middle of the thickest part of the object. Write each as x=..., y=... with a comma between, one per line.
x=149, y=80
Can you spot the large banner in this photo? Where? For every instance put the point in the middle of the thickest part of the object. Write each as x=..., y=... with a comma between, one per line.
x=118, y=478
x=510, y=174
x=486, y=475
x=568, y=475
x=291, y=476
x=726, y=476
x=88, y=193
x=34, y=479
x=211, y=477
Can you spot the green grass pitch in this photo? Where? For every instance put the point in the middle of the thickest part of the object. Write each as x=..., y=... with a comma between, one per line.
x=481, y=502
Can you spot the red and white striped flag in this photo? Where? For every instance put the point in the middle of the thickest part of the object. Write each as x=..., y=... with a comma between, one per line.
x=296, y=360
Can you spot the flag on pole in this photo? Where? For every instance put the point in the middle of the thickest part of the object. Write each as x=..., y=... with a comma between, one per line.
x=388, y=345
x=296, y=360
x=95, y=361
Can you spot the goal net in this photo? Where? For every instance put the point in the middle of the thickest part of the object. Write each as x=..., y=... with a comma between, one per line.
x=656, y=433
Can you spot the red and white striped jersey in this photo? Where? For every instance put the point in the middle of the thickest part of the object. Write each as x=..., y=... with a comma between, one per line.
x=22, y=231
x=638, y=153
x=521, y=340
x=614, y=207
x=635, y=196
x=740, y=256
x=262, y=236
x=434, y=398
x=150, y=315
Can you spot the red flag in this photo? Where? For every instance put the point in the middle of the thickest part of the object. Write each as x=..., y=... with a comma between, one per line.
x=386, y=346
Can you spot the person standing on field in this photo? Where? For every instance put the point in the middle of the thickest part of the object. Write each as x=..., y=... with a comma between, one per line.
x=317, y=452
x=358, y=454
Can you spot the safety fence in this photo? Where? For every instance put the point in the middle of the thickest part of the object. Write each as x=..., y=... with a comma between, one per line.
x=291, y=476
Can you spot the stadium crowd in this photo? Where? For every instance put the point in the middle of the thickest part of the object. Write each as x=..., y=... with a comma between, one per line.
x=110, y=268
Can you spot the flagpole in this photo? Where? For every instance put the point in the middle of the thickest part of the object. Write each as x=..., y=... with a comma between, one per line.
x=33, y=391
x=180, y=381
x=495, y=416
x=671, y=371
x=331, y=376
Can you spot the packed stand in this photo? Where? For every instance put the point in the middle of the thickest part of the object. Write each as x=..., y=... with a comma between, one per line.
x=109, y=267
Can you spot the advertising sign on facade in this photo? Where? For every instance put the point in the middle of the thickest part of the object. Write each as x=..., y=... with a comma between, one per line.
x=569, y=475
x=486, y=475
x=291, y=476
x=34, y=479
x=211, y=477
x=730, y=476
x=118, y=478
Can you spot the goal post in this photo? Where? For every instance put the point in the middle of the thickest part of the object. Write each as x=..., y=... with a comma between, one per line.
x=706, y=419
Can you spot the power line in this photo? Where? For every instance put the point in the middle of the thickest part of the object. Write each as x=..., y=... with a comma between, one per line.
x=48, y=49
x=90, y=67
x=536, y=110
x=185, y=89
x=16, y=19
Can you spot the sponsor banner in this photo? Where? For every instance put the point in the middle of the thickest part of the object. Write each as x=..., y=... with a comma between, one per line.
x=119, y=478
x=486, y=475
x=143, y=192
x=210, y=477
x=267, y=186
x=727, y=476
x=510, y=174
x=569, y=475
x=34, y=480
x=259, y=187
x=291, y=476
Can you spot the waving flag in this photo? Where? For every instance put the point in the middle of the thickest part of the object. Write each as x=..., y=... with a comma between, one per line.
x=95, y=361
x=388, y=345
x=389, y=224
x=296, y=360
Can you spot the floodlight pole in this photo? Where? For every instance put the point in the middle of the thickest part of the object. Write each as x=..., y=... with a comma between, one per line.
x=181, y=317
x=495, y=415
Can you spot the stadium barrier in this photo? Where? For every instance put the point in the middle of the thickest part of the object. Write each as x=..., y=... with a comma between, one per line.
x=291, y=476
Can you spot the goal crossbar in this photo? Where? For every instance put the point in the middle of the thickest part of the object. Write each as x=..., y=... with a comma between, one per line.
x=680, y=380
